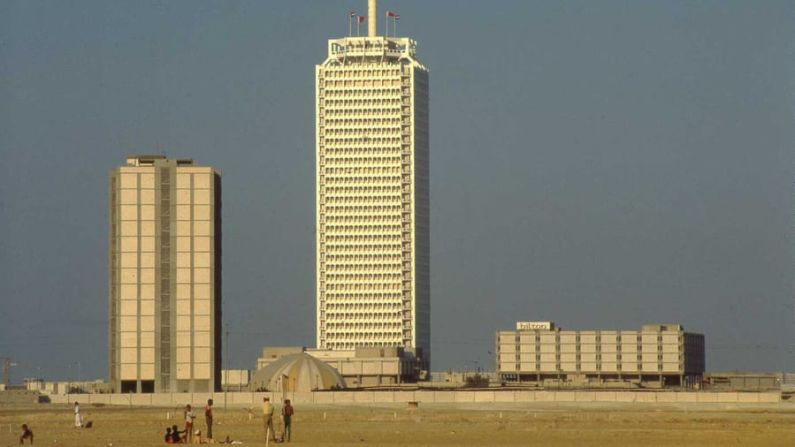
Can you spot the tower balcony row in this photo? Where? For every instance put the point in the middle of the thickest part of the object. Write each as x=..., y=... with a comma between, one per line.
x=337, y=99
x=364, y=259
x=389, y=105
x=399, y=300
x=338, y=159
x=341, y=158
x=373, y=269
x=361, y=70
x=391, y=81
x=364, y=249
x=351, y=190
x=334, y=132
x=342, y=91
x=359, y=239
x=363, y=237
x=361, y=210
x=359, y=75
x=364, y=312
x=369, y=343
x=355, y=220
x=364, y=197
x=365, y=170
x=369, y=154
x=375, y=244
x=339, y=232
x=361, y=180
x=344, y=299
x=369, y=331
x=362, y=123
x=362, y=277
x=361, y=112
x=374, y=287
x=348, y=142
x=363, y=200
x=391, y=300
x=357, y=338
x=363, y=232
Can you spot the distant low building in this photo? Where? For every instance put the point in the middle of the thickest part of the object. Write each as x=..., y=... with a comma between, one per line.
x=98, y=386
x=360, y=367
x=743, y=381
x=657, y=353
x=235, y=379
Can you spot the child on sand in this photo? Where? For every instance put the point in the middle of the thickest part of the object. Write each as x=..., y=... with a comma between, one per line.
x=189, y=417
x=175, y=438
x=27, y=433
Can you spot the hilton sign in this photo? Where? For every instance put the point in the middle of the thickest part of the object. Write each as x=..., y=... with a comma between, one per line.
x=534, y=325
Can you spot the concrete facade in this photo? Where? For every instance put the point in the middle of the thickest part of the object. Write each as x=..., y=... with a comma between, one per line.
x=372, y=228
x=164, y=276
x=662, y=353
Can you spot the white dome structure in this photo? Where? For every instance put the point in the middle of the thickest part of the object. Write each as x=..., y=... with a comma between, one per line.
x=298, y=373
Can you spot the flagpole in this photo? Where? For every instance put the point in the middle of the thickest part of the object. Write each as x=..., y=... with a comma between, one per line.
x=350, y=26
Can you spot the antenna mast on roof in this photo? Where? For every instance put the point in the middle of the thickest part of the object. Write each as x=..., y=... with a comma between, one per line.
x=372, y=14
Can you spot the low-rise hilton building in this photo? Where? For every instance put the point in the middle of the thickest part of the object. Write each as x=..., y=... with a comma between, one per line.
x=539, y=351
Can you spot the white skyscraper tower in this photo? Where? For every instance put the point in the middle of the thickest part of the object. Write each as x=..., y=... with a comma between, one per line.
x=372, y=229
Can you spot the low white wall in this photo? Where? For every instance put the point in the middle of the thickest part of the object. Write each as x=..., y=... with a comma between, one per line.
x=367, y=397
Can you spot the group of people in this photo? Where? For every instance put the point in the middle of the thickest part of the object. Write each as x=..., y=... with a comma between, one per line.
x=27, y=432
x=176, y=436
x=187, y=436
x=268, y=411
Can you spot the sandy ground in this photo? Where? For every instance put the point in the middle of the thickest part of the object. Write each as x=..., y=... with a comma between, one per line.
x=541, y=424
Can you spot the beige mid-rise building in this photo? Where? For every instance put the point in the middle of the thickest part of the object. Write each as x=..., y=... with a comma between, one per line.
x=663, y=353
x=372, y=229
x=165, y=276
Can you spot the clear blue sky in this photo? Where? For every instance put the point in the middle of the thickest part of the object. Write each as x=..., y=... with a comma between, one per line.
x=598, y=164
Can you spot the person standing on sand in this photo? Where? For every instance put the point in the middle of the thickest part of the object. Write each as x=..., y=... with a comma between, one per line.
x=267, y=414
x=78, y=416
x=208, y=417
x=287, y=415
x=189, y=417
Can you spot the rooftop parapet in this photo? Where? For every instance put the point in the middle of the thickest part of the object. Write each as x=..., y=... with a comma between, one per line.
x=149, y=160
x=375, y=48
